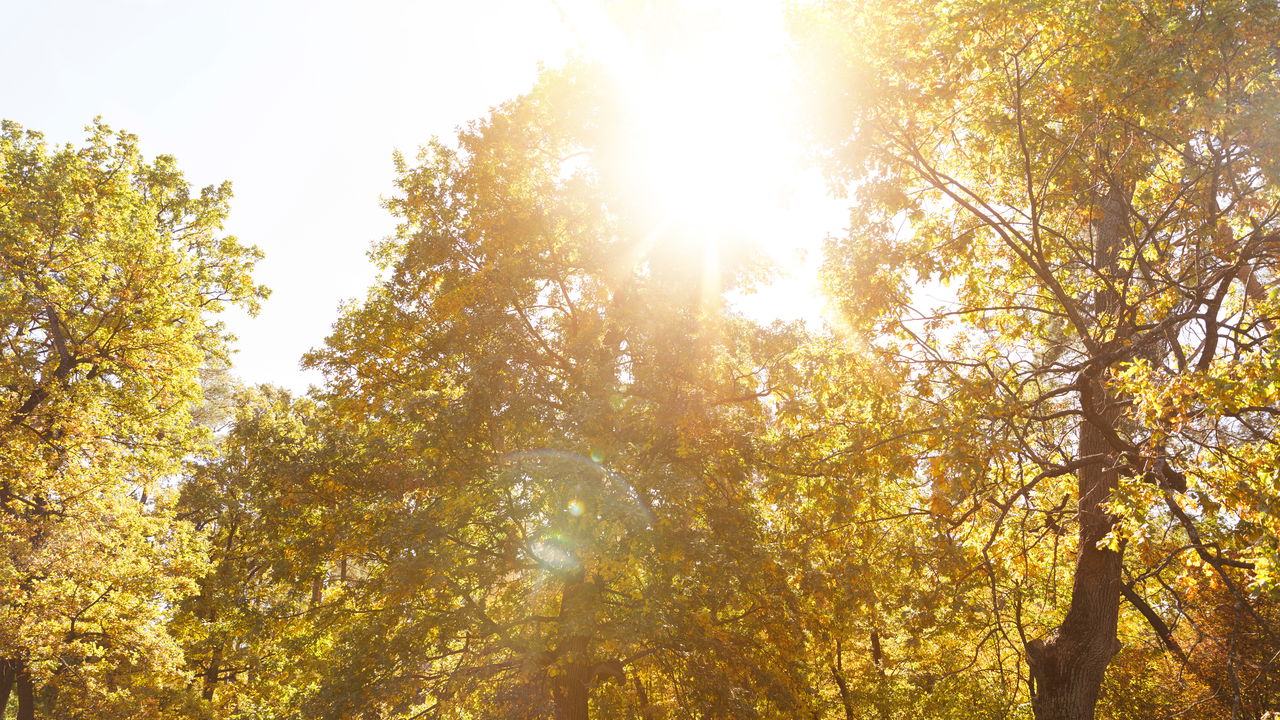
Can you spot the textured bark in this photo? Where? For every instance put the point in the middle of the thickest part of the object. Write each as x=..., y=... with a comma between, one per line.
x=573, y=699
x=1068, y=665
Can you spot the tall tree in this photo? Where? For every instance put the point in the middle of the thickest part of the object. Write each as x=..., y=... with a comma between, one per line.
x=550, y=428
x=111, y=269
x=1089, y=190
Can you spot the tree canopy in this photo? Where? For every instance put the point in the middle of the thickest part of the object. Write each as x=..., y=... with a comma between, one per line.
x=1028, y=469
x=112, y=271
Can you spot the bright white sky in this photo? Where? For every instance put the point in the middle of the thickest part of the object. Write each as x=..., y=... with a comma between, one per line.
x=300, y=105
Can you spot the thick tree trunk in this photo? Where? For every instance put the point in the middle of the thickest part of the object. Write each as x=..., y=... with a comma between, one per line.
x=573, y=700
x=26, y=694
x=577, y=622
x=1068, y=665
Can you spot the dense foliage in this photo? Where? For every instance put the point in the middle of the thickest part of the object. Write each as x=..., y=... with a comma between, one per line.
x=111, y=269
x=1030, y=472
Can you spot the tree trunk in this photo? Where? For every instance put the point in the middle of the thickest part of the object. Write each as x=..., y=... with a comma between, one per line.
x=573, y=700
x=317, y=591
x=884, y=704
x=1068, y=665
x=577, y=623
x=211, y=673
x=26, y=693
x=6, y=684
x=846, y=694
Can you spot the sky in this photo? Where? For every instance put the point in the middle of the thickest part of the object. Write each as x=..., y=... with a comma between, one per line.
x=300, y=105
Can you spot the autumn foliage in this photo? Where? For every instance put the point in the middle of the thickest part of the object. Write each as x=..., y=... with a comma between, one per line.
x=1027, y=470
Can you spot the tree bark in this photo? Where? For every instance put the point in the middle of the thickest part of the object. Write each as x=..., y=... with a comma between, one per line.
x=26, y=693
x=317, y=591
x=211, y=673
x=573, y=699
x=577, y=618
x=6, y=684
x=1067, y=666
x=846, y=694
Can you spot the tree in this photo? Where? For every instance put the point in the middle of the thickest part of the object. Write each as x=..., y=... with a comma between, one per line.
x=1092, y=188
x=548, y=428
x=111, y=269
x=250, y=633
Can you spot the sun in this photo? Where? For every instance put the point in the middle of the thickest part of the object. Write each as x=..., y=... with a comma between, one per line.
x=713, y=140
x=711, y=104
x=712, y=143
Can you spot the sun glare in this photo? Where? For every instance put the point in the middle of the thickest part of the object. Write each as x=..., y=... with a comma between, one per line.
x=712, y=141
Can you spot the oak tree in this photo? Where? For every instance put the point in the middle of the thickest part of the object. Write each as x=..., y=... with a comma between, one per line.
x=1087, y=192
x=111, y=271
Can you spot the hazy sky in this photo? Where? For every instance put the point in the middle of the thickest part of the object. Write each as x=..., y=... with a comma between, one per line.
x=299, y=104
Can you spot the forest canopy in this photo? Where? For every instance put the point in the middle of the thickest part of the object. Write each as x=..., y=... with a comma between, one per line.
x=1026, y=468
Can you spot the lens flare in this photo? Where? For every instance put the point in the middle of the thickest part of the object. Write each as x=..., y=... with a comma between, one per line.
x=553, y=551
